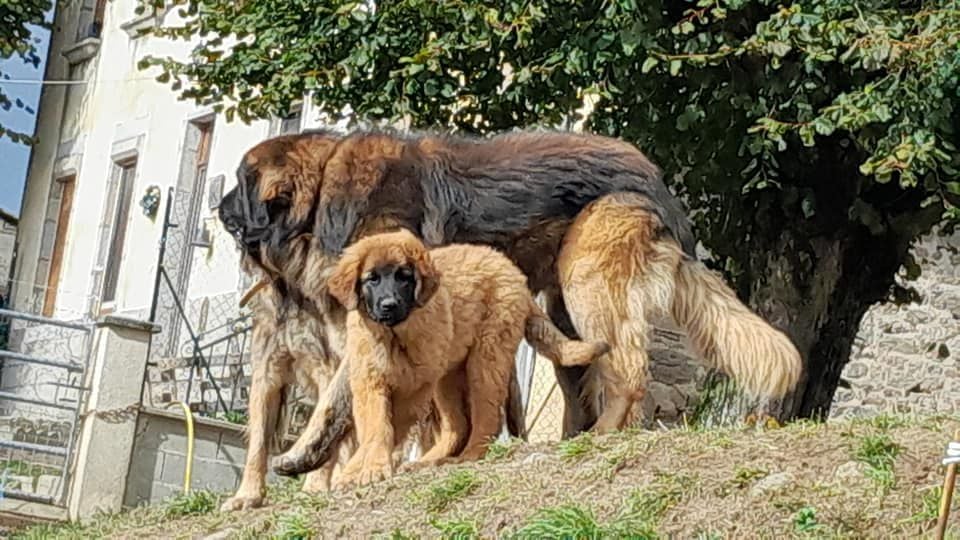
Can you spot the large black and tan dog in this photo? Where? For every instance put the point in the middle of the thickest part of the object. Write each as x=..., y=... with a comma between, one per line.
x=586, y=218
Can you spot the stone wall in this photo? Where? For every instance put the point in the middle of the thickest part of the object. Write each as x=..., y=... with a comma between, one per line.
x=160, y=456
x=906, y=358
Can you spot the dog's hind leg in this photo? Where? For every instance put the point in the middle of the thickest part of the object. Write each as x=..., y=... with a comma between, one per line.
x=488, y=379
x=578, y=414
x=614, y=279
x=448, y=399
x=270, y=369
x=622, y=372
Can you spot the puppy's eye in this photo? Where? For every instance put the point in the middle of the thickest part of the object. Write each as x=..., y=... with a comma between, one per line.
x=404, y=274
x=371, y=278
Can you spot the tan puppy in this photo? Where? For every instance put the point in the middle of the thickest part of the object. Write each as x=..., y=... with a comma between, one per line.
x=435, y=325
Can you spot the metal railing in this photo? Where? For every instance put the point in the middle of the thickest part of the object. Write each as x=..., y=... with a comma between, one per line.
x=43, y=378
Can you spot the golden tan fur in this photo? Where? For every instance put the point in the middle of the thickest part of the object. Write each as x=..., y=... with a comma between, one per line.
x=283, y=352
x=473, y=309
x=594, y=206
x=618, y=270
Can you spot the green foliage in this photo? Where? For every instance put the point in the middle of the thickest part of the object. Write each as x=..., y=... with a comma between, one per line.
x=650, y=504
x=805, y=520
x=821, y=131
x=442, y=493
x=879, y=453
x=292, y=525
x=571, y=521
x=928, y=506
x=501, y=450
x=456, y=529
x=234, y=417
x=193, y=503
x=576, y=447
x=870, y=86
x=20, y=19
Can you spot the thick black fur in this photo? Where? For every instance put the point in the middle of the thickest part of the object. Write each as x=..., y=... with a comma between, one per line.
x=476, y=192
x=476, y=195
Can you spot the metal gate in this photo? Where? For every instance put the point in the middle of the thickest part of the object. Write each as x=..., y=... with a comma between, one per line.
x=43, y=363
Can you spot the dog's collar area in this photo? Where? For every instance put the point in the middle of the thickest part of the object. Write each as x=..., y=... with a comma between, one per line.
x=254, y=290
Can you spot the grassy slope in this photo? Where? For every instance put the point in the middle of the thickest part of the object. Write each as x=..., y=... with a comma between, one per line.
x=873, y=479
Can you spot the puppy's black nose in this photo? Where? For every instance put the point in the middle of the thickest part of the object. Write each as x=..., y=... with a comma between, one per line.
x=388, y=305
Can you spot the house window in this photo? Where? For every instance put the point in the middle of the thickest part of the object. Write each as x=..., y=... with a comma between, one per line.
x=53, y=243
x=121, y=199
x=90, y=23
x=201, y=235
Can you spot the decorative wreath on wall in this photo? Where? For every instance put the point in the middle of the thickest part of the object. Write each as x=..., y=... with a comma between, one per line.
x=151, y=201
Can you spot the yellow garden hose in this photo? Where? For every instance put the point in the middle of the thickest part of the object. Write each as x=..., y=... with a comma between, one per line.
x=188, y=415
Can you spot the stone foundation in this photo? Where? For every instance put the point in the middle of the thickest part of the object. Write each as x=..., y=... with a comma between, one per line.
x=906, y=358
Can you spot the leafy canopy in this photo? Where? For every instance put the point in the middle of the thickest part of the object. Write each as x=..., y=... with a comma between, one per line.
x=815, y=117
x=18, y=22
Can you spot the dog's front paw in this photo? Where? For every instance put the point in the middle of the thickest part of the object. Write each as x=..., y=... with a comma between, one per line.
x=374, y=472
x=316, y=482
x=242, y=501
x=419, y=465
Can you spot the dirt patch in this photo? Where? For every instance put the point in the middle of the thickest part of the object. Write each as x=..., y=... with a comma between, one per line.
x=861, y=479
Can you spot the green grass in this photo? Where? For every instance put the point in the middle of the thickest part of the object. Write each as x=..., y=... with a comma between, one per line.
x=888, y=421
x=638, y=517
x=878, y=453
x=567, y=521
x=234, y=417
x=576, y=447
x=456, y=529
x=575, y=522
x=22, y=468
x=46, y=531
x=650, y=504
x=805, y=520
x=502, y=450
x=439, y=495
x=746, y=475
x=195, y=503
x=928, y=506
x=292, y=525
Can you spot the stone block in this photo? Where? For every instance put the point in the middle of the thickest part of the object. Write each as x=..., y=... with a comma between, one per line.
x=855, y=369
x=160, y=492
x=211, y=474
x=233, y=449
x=146, y=468
x=174, y=468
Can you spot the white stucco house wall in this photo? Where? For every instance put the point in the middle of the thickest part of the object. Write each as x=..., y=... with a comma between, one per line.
x=109, y=134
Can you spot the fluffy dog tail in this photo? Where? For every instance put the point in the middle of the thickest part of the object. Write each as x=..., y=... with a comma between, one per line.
x=549, y=341
x=729, y=336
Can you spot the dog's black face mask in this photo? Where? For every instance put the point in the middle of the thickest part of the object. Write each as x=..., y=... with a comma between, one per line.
x=389, y=293
x=256, y=224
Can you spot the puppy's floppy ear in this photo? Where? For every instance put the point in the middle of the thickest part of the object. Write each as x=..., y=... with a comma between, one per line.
x=428, y=278
x=342, y=284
